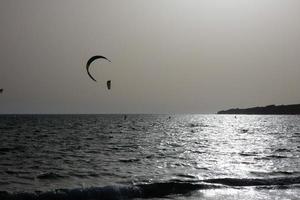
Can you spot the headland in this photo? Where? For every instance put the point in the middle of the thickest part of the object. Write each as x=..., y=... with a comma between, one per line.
x=293, y=109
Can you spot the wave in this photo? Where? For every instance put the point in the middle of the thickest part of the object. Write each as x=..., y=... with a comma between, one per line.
x=50, y=175
x=12, y=149
x=282, y=150
x=271, y=157
x=248, y=154
x=193, y=125
x=129, y=160
x=275, y=173
x=146, y=190
x=256, y=181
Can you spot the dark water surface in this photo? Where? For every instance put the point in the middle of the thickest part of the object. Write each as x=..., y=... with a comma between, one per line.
x=149, y=156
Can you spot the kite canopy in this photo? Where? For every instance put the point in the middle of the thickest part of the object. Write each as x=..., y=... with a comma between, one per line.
x=90, y=61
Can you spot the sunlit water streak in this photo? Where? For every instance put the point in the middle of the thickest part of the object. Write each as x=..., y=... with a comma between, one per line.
x=47, y=152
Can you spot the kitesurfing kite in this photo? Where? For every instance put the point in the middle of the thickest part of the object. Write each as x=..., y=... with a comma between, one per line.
x=88, y=64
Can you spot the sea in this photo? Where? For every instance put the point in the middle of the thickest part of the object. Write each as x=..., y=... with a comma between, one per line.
x=119, y=157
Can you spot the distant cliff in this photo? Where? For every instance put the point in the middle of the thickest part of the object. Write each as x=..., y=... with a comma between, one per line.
x=267, y=110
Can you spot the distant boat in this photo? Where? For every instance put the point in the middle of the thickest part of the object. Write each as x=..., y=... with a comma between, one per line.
x=1, y=90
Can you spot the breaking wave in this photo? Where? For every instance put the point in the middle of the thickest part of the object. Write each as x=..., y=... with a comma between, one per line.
x=147, y=190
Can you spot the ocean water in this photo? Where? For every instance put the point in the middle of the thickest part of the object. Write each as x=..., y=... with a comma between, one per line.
x=58, y=157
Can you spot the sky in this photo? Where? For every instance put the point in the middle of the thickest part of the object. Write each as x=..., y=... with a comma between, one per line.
x=168, y=56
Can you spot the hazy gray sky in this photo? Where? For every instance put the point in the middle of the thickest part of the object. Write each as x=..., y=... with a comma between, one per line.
x=168, y=56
